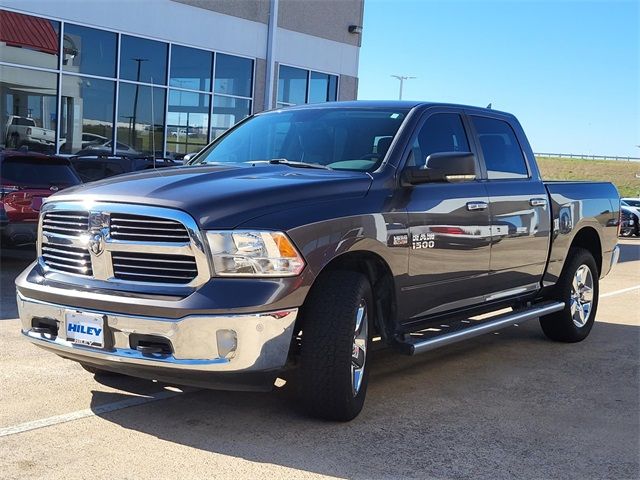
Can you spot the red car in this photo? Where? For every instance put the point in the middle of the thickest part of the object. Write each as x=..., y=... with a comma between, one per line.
x=26, y=179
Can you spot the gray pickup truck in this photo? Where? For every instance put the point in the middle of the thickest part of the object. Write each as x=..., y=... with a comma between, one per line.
x=302, y=237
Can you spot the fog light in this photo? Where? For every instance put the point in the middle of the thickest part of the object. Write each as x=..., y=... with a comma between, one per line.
x=227, y=343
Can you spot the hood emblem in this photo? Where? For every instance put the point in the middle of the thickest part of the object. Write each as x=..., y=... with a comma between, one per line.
x=96, y=243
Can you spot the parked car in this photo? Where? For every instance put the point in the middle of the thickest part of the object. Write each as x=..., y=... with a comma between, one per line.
x=629, y=220
x=105, y=148
x=26, y=179
x=293, y=240
x=632, y=202
x=96, y=167
x=24, y=131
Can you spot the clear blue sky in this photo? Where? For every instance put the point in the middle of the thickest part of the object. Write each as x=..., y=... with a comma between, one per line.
x=568, y=70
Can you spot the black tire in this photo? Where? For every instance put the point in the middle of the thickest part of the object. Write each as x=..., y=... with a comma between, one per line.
x=98, y=372
x=329, y=318
x=560, y=326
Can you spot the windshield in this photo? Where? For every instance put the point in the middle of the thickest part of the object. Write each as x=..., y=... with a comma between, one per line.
x=338, y=138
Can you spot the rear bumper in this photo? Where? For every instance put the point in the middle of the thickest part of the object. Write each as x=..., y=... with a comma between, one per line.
x=610, y=260
x=262, y=343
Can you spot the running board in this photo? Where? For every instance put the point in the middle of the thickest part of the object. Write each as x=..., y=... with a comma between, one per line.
x=436, y=337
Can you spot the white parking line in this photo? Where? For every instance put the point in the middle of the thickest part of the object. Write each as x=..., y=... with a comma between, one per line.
x=89, y=412
x=618, y=292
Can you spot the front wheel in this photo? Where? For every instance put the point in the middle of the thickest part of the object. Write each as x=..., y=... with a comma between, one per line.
x=337, y=321
x=578, y=288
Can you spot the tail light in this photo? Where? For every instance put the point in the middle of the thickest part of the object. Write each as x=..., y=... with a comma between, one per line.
x=29, y=130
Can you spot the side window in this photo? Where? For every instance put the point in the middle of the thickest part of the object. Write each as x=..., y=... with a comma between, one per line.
x=441, y=132
x=502, y=153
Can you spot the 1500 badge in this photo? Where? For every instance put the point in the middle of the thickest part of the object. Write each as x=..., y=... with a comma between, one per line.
x=423, y=240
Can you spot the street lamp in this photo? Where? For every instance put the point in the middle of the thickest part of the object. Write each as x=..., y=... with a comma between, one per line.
x=402, y=78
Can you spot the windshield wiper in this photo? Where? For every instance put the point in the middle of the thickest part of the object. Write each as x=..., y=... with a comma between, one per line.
x=284, y=161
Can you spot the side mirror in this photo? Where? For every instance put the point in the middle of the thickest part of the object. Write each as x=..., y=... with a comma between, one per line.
x=443, y=167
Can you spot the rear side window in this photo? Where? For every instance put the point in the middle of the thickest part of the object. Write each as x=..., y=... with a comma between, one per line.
x=26, y=172
x=441, y=132
x=502, y=153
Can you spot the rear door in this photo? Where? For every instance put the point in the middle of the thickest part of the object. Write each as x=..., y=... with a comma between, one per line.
x=449, y=226
x=520, y=219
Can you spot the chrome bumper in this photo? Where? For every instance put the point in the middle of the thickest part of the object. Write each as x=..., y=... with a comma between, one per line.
x=262, y=340
x=615, y=256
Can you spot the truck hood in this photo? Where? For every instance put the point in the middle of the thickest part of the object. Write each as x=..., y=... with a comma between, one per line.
x=224, y=196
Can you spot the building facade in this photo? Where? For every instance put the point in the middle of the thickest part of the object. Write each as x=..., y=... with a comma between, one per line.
x=165, y=76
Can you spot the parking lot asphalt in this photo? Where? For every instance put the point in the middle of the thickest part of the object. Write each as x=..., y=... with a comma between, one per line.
x=504, y=405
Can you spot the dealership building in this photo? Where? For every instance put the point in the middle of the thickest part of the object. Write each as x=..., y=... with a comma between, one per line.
x=168, y=76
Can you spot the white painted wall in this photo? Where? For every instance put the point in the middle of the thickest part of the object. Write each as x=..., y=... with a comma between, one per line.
x=197, y=27
x=158, y=19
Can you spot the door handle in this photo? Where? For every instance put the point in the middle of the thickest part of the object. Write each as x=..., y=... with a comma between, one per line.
x=471, y=206
x=538, y=202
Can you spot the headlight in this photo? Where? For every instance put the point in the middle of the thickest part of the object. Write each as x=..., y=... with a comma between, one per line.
x=253, y=254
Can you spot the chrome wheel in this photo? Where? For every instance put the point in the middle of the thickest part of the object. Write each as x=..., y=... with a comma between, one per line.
x=359, y=351
x=581, y=301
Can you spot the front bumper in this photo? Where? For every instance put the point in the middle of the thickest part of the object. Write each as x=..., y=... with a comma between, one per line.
x=262, y=345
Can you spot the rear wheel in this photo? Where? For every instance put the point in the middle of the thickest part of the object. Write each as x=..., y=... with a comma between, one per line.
x=337, y=321
x=578, y=288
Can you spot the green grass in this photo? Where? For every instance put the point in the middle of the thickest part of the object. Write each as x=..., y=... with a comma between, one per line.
x=621, y=174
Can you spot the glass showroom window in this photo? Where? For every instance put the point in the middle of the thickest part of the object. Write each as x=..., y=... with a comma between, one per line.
x=227, y=111
x=87, y=116
x=90, y=51
x=233, y=75
x=28, y=40
x=190, y=68
x=135, y=129
x=187, y=121
x=28, y=105
x=322, y=87
x=296, y=86
x=232, y=92
x=292, y=86
x=143, y=60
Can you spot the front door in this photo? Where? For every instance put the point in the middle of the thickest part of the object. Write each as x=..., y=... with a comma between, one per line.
x=449, y=229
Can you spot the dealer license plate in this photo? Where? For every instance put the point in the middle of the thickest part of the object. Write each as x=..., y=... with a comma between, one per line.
x=85, y=328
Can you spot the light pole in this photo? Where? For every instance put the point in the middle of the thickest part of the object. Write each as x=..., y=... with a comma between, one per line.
x=133, y=139
x=402, y=78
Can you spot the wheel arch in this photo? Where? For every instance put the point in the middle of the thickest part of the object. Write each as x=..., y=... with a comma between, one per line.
x=587, y=237
x=381, y=278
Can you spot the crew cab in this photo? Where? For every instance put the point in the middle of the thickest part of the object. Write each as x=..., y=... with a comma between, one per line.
x=24, y=131
x=291, y=242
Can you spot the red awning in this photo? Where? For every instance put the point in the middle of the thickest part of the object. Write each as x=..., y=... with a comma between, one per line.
x=36, y=33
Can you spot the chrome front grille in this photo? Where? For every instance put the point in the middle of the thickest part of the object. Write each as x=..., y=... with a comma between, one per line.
x=67, y=259
x=146, y=229
x=66, y=223
x=153, y=267
x=122, y=244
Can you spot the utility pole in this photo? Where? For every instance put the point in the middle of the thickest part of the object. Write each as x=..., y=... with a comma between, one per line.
x=402, y=78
